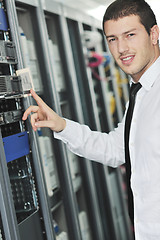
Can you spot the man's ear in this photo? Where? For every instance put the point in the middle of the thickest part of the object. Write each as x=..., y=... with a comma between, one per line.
x=154, y=34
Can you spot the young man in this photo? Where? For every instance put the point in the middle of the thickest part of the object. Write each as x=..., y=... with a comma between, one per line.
x=132, y=34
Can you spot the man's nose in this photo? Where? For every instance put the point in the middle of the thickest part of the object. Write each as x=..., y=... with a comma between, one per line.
x=122, y=46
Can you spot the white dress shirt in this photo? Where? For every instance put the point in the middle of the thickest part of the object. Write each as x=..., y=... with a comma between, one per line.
x=144, y=147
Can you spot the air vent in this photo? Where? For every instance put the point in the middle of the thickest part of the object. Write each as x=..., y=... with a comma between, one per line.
x=3, y=87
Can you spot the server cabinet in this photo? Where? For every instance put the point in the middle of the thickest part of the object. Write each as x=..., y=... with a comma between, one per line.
x=28, y=14
x=87, y=89
x=114, y=178
x=92, y=119
x=21, y=204
x=71, y=108
x=69, y=206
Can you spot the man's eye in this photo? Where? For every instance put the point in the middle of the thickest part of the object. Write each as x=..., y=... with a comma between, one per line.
x=111, y=40
x=131, y=35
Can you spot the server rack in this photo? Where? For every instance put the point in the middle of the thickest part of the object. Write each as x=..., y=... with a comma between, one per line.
x=67, y=98
x=118, y=231
x=93, y=122
x=114, y=177
x=55, y=205
x=21, y=198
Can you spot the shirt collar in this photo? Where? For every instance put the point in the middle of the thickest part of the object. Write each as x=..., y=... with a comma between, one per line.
x=150, y=76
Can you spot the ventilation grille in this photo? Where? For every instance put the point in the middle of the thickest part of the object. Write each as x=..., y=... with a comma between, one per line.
x=3, y=87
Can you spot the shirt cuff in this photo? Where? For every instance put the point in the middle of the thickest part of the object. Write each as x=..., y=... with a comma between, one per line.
x=67, y=134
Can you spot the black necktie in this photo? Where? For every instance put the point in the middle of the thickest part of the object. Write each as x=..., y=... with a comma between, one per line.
x=133, y=91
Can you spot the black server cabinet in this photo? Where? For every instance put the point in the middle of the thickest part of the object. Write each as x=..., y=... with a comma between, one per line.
x=30, y=22
x=20, y=201
x=62, y=204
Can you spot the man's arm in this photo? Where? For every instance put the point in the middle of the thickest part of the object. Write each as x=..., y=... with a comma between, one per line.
x=80, y=139
x=100, y=147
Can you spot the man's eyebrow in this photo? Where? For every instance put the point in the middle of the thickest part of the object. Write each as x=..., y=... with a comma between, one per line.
x=112, y=36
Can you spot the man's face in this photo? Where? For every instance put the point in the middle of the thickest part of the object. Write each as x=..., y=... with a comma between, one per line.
x=130, y=45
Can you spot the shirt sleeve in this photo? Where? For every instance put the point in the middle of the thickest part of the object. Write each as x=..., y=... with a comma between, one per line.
x=100, y=147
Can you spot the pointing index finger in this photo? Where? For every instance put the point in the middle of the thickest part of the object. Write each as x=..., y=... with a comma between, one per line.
x=37, y=98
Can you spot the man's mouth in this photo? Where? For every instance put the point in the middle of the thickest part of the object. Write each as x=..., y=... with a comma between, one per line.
x=127, y=60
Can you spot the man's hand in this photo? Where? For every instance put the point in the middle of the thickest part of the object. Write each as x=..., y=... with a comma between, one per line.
x=43, y=116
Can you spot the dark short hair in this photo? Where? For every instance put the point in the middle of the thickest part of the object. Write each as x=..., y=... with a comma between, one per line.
x=123, y=8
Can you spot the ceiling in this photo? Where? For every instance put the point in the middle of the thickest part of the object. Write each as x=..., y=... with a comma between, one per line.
x=97, y=8
x=85, y=4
